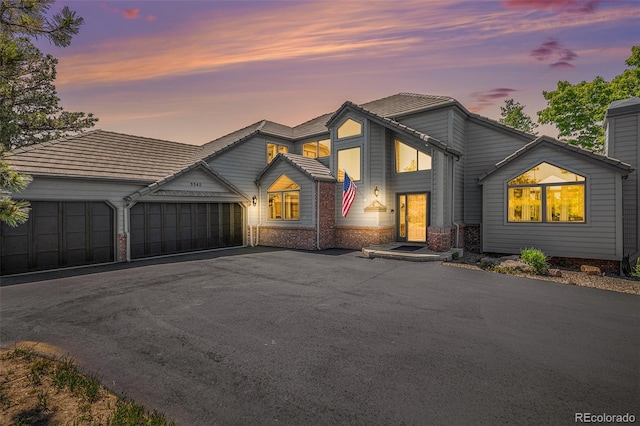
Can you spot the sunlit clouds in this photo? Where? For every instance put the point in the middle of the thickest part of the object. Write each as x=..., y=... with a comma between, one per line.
x=312, y=31
x=553, y=50
x=192, y=71
x=133, y=13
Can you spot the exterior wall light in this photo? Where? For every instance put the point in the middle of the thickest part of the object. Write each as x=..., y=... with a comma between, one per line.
x=376, y=192
x=254, y=200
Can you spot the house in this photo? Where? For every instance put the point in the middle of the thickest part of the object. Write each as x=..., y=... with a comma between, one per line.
x=427, y=171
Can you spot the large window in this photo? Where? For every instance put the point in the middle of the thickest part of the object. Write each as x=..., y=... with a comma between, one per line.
x=273, y=150
x=284, y=199
x=317, y=149
x=349, y=128
x=409, y=159
x=546, y=193
x=349, y=161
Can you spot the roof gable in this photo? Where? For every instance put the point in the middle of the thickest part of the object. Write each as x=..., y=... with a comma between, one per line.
x=400, y=128
x=600, y=159
x=314, y=169
x=207, y=182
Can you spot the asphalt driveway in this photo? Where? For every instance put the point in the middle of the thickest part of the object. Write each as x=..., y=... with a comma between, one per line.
x=258, y=336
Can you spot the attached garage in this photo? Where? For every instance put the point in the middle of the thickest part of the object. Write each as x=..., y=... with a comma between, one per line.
x=166, y=228
x=59, y=234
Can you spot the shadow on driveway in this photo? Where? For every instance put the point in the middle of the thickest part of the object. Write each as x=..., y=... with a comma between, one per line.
x=161, y=260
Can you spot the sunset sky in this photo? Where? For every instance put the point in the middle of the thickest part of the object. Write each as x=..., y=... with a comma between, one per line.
x=192, y=71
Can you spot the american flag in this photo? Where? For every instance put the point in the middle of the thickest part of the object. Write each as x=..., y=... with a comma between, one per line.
x=348, y=194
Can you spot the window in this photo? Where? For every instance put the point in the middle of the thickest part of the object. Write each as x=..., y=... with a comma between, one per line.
x=546, y=193
x=317, y=149
x=349, y=128
x=284, y=199
x=273, y=150
x=349, y=160
x=409, y=159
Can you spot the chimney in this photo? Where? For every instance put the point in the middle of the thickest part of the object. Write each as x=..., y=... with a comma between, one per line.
x=622, y=142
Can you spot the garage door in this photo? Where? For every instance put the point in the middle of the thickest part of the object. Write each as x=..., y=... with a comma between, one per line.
x=165, y=228
x=59, y=234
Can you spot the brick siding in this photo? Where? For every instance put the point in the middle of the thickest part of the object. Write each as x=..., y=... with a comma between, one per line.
x=356, y=237
x=122, y=247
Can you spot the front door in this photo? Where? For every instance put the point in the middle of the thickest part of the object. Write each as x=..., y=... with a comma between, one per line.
x=412, y=217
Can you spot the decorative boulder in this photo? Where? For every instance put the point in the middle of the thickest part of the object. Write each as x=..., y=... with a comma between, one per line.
x=590, y=270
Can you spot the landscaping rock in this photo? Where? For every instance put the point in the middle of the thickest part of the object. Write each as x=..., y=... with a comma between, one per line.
x=515, y=265
x=555, y=273
x=590, y=270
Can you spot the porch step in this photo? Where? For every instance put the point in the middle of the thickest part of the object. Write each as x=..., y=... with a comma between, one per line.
x=394, y=251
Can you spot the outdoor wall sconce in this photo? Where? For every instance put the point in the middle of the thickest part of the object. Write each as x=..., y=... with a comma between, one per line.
x=376, y=192
x=254, y=200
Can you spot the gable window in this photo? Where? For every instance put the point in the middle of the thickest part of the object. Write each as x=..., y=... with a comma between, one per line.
x=284, y=199
x=349, y=160
x=546, y=193
x=317, y=149
x=409, y=159
x=273, y=150
x=349, y=128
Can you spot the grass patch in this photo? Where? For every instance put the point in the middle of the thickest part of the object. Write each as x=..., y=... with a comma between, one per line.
x=38, y=390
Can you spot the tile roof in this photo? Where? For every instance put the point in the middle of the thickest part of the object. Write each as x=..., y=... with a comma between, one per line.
x=103, y=154
x=391, y=106
x=309, y=166
x=616, y=164
x=405, y=103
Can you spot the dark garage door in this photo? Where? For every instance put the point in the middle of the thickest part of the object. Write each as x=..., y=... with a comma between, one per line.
x=165, y=228
x=59, y=234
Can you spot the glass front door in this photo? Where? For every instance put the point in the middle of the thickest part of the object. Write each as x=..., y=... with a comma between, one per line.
x=412, y=217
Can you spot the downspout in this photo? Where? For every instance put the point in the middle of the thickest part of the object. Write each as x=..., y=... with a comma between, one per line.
x=453, y=203
x=318, y=215
x=259, y=215
x=250, y=228
x=126, y=223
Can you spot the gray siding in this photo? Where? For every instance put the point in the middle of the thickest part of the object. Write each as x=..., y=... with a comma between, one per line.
x=485, y=147
x=599, y=238
x=307, y=195
x=624, y=144
x=458, y=142
x=432, y=123
x=242, y=163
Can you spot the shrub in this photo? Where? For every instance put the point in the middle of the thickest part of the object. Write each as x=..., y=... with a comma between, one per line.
x=636, y=271
x=536, y=259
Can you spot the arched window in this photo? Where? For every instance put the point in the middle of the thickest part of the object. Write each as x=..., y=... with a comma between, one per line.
x=546, y=193
x=349, y=128
x=284, y=199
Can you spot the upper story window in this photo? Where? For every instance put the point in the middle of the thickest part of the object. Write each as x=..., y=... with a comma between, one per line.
x=349, y=161
x=317, y=149
x=546, y=193
x=409, y=159
x=273, y=150
x=284, y=199
x=349, y=128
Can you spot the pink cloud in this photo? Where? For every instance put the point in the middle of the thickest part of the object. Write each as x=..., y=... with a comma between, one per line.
x=482, y=100
x=130, y=13
x=552, y=49
x=562, y=65
x=574, y=6
x=133, y=13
